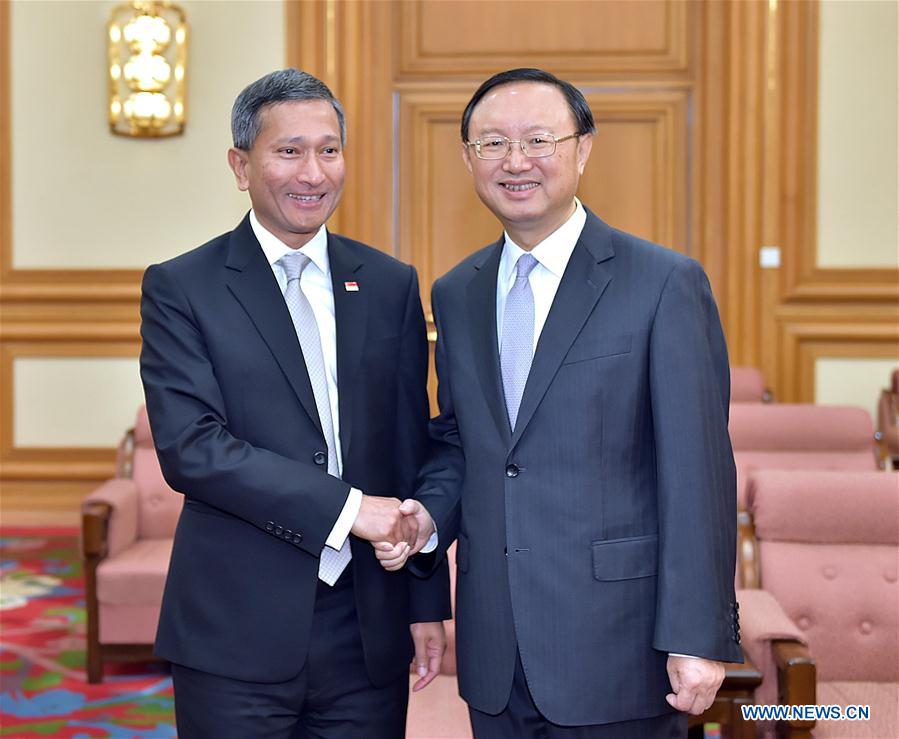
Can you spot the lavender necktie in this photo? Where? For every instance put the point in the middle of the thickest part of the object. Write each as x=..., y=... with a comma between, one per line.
x=517, y=349
x=332, y=561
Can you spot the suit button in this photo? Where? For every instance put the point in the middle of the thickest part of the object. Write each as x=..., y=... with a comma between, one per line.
x=297, y=538
x=269, y=526
x=279, y=530
x=320, y=458
x=287, y=533
x=512, y=470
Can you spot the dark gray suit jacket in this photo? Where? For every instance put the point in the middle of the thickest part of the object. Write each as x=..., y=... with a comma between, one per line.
x=237, y=431
x=600, y=536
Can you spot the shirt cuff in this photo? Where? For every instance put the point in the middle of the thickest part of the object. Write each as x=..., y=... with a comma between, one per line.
x=345, y=520
x=431, y=545
x=675, y=654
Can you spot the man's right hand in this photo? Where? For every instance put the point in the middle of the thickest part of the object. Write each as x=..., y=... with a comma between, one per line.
x=393, y=555
x=381, y=520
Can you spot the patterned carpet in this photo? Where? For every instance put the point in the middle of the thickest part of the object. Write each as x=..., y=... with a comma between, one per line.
x=42, y=625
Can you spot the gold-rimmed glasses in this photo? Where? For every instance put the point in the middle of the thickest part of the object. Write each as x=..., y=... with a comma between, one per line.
x=535, y=146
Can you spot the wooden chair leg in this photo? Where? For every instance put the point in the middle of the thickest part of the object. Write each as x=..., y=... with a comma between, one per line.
x=94, y=662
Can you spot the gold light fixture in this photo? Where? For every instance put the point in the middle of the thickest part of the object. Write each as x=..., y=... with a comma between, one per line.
x=147, y=69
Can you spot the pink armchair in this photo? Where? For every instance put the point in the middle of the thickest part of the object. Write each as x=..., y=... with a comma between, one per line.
x=888, y=420
x=800, y=436
x=825, y=548
x=748, y=386
x=128, y=524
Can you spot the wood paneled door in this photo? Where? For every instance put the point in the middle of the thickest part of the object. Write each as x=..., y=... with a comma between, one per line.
x=705, y=113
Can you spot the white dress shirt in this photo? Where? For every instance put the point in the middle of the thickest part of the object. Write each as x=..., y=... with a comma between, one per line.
x=315, y=282
x=552, y=255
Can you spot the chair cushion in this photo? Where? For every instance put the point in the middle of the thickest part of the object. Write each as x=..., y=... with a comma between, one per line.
x=845, y=601
x=763, y=620
x=747, y=462
x=800, y=427
x=746, y=385
x=142, y=435
x=825, y=507
x=135, y=576
x=882, y=697
x=160, y=506
x=123, y=624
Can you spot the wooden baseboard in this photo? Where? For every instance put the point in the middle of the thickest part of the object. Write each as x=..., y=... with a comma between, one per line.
x=58, y=500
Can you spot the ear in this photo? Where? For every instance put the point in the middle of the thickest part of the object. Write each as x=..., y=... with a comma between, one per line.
x=466, y=156
x=584, y=147
x=238, y=160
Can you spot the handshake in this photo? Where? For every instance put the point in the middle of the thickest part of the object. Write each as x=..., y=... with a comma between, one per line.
x=396, y=530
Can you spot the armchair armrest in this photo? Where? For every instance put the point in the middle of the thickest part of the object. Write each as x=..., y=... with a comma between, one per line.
x=796, y=678
x=763, y=619
x=777, y=646
x=747, y=551
x=94, y=527
x=110, y=513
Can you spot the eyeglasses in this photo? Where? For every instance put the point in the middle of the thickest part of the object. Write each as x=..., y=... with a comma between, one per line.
x=535, y=146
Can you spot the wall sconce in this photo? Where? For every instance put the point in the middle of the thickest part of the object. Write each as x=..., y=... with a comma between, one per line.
x=147, y=71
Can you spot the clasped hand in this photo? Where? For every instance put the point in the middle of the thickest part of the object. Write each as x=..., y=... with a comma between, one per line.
x=396, y=530
x=383, y=520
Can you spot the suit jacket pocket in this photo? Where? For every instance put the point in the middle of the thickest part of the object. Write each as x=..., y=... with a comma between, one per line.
x=462, y=553
x=625, y=559
x=594, y=349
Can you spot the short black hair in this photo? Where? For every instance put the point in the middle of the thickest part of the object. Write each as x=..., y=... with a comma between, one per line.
x=583, y=116
x=281, y=86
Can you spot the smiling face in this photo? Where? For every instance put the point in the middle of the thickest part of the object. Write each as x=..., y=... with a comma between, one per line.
x=532, y=197
x=294, y=171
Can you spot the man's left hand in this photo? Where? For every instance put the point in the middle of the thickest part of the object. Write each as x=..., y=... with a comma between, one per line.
x=694, y=682
x=430, y=644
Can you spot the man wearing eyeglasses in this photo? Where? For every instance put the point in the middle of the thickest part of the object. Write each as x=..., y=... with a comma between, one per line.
x=581, y=455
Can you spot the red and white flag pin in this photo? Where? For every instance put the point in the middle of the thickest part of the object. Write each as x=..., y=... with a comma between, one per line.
x=351, y=287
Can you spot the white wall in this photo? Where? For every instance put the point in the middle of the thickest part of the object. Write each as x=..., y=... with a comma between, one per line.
x=857, y=134
x=85, y=198
x=842, y=381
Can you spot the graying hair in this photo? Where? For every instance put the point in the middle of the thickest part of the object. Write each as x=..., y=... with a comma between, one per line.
x=285, y=85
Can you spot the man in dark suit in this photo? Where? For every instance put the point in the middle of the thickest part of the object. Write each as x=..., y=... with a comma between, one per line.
x=285, y=370
x=581, y=454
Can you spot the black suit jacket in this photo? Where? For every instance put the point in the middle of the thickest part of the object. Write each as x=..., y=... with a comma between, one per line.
x=600, y=535
x=236, y=430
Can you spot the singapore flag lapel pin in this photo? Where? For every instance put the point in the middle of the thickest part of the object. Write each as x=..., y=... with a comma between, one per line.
x=351, y=287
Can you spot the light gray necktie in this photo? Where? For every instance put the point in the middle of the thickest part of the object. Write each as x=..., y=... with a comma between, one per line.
x=332, y=562
x=517, y=351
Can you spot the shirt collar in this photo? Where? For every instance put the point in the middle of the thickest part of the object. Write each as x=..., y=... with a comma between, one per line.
x=553, y=252
x=273, y=248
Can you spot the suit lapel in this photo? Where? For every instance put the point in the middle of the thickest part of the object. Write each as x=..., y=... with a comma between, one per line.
x=583, y=283
x=251, y=281
x=485, y=348
x=350, y=314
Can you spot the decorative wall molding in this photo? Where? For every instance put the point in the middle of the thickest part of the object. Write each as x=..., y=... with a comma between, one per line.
x=449, y=39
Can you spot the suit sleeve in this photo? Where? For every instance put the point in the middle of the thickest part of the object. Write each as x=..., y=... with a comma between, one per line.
x=198, y=455
x=690, y=391
x=439, y=486
x=429, y=596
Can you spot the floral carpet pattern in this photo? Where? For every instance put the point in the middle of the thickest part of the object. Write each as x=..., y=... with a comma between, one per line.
x=43, y=687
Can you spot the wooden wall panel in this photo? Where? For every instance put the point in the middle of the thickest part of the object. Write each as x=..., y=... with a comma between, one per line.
x=636, y=177
x=441, y=219
x=52, y=477
x=845, y=331
x=706, y=143
x=480, y=37
x=804, y=280
x=46, y=313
